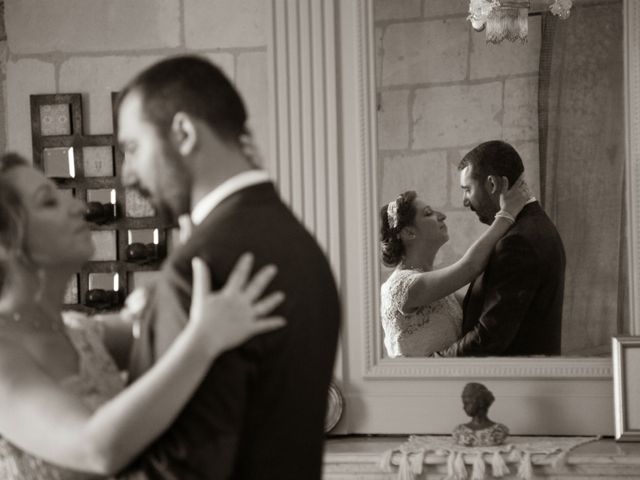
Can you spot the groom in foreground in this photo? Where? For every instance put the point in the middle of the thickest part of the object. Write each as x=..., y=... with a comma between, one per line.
x=259, y=413
x=515, y=306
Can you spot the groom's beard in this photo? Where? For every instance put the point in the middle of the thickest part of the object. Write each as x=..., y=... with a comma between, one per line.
x=484, y=206
x=161, y=207
x=173, y=185
x=484, y=217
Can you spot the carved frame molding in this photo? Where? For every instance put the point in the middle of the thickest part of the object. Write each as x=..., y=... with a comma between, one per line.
x=376, y=366
x=304, y=148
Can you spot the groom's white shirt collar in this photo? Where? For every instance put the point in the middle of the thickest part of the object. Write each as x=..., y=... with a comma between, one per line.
x=238, y=182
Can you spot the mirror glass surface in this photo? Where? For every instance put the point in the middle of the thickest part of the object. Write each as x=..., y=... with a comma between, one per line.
x=558, y=99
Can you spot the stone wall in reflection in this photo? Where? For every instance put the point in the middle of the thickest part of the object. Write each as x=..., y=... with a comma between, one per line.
x=441, y=91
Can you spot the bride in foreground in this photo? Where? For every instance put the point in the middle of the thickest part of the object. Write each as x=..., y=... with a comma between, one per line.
x=64, y=408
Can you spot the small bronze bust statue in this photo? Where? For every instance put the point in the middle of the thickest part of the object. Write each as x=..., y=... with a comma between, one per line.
x=480, y=431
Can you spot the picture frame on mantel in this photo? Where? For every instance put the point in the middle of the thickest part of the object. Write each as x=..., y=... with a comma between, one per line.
x=626, y=387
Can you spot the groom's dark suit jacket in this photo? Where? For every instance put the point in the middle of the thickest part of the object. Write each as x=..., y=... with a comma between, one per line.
x=515, y=306
x=260, y=411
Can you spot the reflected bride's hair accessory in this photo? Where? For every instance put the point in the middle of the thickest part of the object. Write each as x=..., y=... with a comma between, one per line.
x=392, y=213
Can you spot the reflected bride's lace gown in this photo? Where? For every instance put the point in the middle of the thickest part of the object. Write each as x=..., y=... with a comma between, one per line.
x=423, y=331
x=97, y=381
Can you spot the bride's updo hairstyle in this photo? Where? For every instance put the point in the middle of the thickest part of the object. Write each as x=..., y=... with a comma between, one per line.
x=393, y=218
x=12, y=217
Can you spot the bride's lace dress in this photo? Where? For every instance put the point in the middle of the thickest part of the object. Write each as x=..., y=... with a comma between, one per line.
x=423, y=331
x=97, y=381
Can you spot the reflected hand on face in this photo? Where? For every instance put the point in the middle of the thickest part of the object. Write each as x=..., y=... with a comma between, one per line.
x=513, y=199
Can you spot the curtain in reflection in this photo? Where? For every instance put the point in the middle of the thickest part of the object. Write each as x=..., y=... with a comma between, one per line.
x=582, y=155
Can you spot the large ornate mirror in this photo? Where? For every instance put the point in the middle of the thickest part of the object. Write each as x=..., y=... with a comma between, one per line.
x=323, y=61
x=562, y=395
x=442, y=89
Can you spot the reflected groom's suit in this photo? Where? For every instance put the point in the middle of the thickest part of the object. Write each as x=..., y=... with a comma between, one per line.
x=515, y=306
x=259, y=413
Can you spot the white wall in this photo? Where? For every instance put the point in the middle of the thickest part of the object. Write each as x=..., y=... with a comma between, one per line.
x=94, y=46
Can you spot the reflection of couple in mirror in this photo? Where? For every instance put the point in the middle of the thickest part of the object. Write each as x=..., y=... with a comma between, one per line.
x=515, y=270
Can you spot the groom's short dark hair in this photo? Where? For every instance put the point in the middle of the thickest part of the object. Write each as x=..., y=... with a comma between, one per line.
x=193, y=85
x=493, y=158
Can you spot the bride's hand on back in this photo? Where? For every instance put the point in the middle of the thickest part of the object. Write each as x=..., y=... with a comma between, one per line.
x=236, y=312
x=513, y=200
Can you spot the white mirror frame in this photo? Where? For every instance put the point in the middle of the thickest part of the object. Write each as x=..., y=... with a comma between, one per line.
x=565, y=396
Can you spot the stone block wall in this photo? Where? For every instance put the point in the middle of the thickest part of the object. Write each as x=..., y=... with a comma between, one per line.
x=94, y=46
x=442, y=90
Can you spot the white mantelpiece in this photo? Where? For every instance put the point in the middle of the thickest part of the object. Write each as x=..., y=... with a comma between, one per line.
x=357, y=458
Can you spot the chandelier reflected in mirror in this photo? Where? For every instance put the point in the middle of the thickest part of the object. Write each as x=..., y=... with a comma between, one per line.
x=508, y=19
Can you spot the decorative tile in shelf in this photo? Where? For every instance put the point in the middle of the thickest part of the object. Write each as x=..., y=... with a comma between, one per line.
x=105, y=245
x=55, y=119
x=88, y=167
x=98, y=161
x=138, y=206
x=58, y=162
